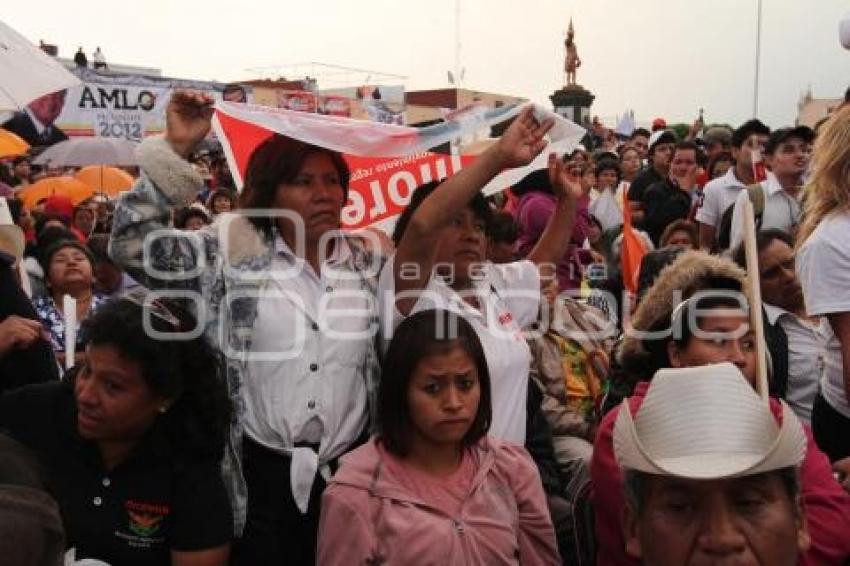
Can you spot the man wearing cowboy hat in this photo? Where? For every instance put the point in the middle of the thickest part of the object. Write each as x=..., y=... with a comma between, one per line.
x=698, y=292
x=711, y=477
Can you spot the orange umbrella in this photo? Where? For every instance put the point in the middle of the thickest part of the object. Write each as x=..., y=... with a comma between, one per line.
x=103, y=179
x=75, y=190
x=11, y=144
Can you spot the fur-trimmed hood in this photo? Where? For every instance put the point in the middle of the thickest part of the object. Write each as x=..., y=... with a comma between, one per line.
x=177, y=179
x=688, y=274
x=169, y=172
x=240, y=240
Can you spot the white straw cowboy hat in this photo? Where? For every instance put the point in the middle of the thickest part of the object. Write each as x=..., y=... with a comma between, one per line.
x=706, y=423
x=12, y=239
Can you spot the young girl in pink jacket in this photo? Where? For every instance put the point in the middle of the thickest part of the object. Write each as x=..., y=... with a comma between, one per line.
x=431, y=487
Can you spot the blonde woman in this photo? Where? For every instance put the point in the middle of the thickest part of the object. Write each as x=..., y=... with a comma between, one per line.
x=823, y=264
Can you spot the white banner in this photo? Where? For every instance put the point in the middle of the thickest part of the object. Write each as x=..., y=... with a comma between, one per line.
x=104, y=105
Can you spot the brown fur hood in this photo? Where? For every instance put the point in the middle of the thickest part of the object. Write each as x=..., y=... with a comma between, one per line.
x=688, y=274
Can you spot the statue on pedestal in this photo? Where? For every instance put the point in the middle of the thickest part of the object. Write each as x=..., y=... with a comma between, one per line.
x=572, y=61
x=572, y=100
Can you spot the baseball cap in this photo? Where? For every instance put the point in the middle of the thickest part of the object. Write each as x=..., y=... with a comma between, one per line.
x=661, y=136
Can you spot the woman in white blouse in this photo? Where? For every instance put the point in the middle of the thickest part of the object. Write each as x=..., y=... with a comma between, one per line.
x=440, y=263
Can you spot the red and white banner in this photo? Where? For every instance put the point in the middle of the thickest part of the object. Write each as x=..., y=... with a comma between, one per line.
x=387, y=161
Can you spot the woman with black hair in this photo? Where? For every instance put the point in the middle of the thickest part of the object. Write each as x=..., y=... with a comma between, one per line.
x=191, y=218
x=604, y=207
x=132, y=441
x=221, y=201
x=431, y=487
x=287, y=298
x=69, y=270
x=441, y=241
x=537, y=205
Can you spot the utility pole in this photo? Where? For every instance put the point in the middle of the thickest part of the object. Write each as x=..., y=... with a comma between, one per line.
x=758, y=63
x=457, y=43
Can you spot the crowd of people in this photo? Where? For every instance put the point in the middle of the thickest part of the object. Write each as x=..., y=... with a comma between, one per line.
x=484, y=386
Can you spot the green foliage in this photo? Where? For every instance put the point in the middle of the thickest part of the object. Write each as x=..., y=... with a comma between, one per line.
x=681, y=129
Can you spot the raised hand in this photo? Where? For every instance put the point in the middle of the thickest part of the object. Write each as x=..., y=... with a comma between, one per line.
x=523, y=140
x=188, y=120
x=565, y=183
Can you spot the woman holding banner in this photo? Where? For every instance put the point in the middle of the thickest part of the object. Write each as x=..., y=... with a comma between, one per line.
x=288, y=300
x=441, y=241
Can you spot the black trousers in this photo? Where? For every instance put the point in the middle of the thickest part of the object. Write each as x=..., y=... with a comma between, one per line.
x=831, y=430
x=276, y=532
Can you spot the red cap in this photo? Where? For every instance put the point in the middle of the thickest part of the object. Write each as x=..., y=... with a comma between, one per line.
x=659, y=124
x=61, y=205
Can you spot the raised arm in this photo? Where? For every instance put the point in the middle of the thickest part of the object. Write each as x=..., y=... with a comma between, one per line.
x=555, y=240
x=188, y=120
x=167, y=181
x=519, y=145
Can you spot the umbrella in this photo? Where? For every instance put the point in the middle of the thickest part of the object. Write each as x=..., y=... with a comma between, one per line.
x=79, y=152
x=11, y=144
x=108, y=180
x=27, y=72
x=75, y=190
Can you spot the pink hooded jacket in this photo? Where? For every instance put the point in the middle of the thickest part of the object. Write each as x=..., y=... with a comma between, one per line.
x=369, y=517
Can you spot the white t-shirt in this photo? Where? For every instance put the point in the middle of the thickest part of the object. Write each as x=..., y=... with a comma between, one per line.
x=510, y=300
x=823, y=266
x=718, y=195
x=781, y=211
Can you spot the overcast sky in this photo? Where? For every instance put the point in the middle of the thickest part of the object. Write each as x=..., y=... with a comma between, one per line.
x=661, y=57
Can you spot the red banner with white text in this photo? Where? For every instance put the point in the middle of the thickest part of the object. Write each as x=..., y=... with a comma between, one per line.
x=387, y=161
x=379, y=187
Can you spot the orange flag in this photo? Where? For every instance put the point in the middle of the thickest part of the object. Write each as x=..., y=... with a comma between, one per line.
x=632, y=251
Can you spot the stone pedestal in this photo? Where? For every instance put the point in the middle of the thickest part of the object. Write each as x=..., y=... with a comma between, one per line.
x=573, y=102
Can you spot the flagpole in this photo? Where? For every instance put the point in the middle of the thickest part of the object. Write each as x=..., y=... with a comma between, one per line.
x=457, y=42
x=758, y=63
